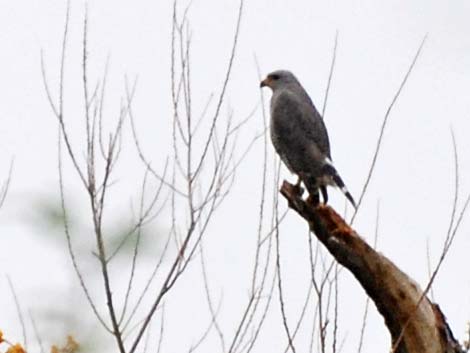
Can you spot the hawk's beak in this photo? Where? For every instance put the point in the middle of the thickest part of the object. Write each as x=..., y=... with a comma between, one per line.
x=264, y=83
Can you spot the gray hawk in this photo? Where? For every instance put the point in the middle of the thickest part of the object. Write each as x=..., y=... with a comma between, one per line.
x=299, y=136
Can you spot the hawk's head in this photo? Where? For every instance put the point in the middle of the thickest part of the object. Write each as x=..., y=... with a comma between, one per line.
x=279, y=78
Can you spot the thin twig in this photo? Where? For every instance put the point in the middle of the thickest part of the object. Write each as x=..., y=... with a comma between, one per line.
x=384, y=124
x=428, y=267
x=279, y=280
x=336, y=311
x=36, y=333
x=6, y=185
x=18, y=312
x=330, y=75
x=129, y=95
x=60, y=112
x=302, y=315
x=136, y=252
x=213, y=311
x=162, y=330
x=224, y=87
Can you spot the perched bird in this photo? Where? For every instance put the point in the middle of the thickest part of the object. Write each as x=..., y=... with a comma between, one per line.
x=299, y=136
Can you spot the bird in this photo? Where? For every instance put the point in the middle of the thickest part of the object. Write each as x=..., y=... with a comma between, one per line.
x=300, y=138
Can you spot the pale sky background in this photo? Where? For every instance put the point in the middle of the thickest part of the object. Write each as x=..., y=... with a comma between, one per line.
x=377, y=40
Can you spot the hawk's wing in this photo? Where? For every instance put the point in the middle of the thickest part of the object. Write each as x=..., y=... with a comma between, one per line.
x=297, y=114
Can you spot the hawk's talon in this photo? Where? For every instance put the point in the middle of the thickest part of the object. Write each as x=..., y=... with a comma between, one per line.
x=324, y=193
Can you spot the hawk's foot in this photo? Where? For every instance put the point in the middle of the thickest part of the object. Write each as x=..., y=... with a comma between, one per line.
x=313, y=200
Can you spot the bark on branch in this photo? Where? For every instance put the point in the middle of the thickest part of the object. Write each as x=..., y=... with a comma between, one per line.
x=415, y=323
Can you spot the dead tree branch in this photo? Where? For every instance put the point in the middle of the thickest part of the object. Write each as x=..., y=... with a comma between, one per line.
x=416, y=324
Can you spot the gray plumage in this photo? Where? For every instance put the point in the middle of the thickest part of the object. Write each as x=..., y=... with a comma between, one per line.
x=299, y=135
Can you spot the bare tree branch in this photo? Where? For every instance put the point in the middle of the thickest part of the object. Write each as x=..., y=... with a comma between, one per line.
x=393, y=292
x=69, y=239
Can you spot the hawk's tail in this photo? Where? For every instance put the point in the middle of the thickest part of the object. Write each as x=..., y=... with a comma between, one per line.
x=329, y=169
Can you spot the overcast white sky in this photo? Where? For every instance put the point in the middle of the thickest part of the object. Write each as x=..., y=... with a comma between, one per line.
x=376, y=43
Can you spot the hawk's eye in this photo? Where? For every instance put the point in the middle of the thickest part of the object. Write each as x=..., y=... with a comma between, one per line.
x=274, y=77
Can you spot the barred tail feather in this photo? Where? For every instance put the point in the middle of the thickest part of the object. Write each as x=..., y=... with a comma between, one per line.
x=339, y=182
x=330, y=170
